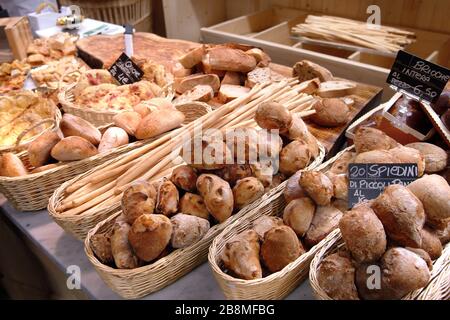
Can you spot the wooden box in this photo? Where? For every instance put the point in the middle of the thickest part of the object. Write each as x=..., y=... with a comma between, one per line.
x=15, y=36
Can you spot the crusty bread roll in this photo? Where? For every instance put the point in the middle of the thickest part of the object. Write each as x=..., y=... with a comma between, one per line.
x=376, y=156
x=149, y=235
x=409, y=155
x=298, y=215
x=340, y=166
x=158, y=122
x=246, y=191
x=336, y=276
x=297, y=128
x=341, y=205
x=435, y=157
x=101, y=245
x=402, y=215
x=431, y=243
x=71, y=125
x=318, y=186
x=241, y=255
x=11, y=165
x=265, y=223
x=443, y=233
x=307, y=70
x=192, y=58
x=211, y=158
x=363, y=234
x=122, y=252
x=167, y=199
x=367, y=139
x=217, y=195
x=73, y=148
x=40, y=148
x=294, y=156
x=229, y=59
x=138, y=199
x=280, y=247
x=112, y=138
x=424, y=255
x=325, y=220
x=184, y=177
x=128, y=121
x=187, y=230
x=371, y=283
x=293, y=190
x=273, y=115
x=234, y=172
x=330, y=112
x=193, y=204
x=340, y=185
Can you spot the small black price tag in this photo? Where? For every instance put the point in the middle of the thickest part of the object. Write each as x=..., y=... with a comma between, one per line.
x=125, y=70
x=367, y=181
x=418, y=77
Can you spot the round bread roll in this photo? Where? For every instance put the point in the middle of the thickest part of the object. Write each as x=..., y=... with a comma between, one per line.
x=11, y=165
x=371, y=283
x=336, y=276
x=402, y=215
x=368, y=139
x=138, y=199
x=341, y=205
x=149, y=235
x=214, y=154
x=234, y=172
x=241, y=255
x=431, y=244
x=298, y=215
x=443, y=234
x=273, y=115
x=435, y=157
x=404, y=271
x=325, y=220
x=265, y=223
x=263, y=171
x=318, y=186
x=194, y=205
x=167, y=199
x=293, y=190
x=101, y=246
x=424, y=255
x=71, y=125
x=73, y=148
x=297, y=128
x=363, y=234
x=246, y=191
x=217, y=195
x=340, y=185
x=112, y=138
x=280, y=247
x=187, y=230
x=330, y=112
x=184, y=177
x=123, y=254
x=434, y=193
x=39, y=149
x=128, y=121
x=293, y=157
x=409, y=155
x=376, y=156
x=340, y=166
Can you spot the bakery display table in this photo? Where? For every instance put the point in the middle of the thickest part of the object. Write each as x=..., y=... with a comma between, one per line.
x=57, y=250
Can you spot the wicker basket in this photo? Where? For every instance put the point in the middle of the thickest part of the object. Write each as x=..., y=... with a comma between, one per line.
x=134, y=12
x=136, y=283
x=277, y=285
x=437, y=289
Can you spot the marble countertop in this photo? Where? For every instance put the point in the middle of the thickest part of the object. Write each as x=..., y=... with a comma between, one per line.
x=64, y=250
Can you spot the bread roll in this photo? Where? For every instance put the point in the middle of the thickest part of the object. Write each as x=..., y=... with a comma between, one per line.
x=307, y=70
x=273, y=115
x=187, y=230
x=193, y=204
x=293, y=190
x=158, y=122
x=340, y=185
x=409, y=155
x=229, y=59
x=246, y=191
x=435, y=157
x=39, y=149
x=71, y=125
x=376, y=156
x=241, y=255
x=336, y=276
x=363, y=234
x=234, y=172
x=294, y=156
x=128, y=121
x=167, y=199
x=402, y=215
x=340, y=166
x=280, y=247
x=11, y=165
x=434, y=193
x=138, y=199
x=325, y=220
x=73, y=148
x=213, y=153
x=265, y=223
x=217, y=195
x=122, y=252
x=149, y=235
x=330, y=112
x=424, y=255
x=443, y=234
x=318, y=186
x=371, y=283
x=112, y=138
x=184, y=177
x=341, y=205
x=431, y=244
x=101, y=246
x=192, y=58
x=298, y=215
x=263, y=171
x=368, y=139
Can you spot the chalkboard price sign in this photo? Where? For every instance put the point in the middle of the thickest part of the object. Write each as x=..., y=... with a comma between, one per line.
x=367, y=181
x=125, y=70
x=418, y=77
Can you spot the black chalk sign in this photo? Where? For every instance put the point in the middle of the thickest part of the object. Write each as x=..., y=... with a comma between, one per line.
x=367, y=181
x=418, y=77
x=125, y=71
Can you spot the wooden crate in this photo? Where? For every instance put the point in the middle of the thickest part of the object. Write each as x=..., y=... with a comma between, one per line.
x=270, y=30
x=15, y=36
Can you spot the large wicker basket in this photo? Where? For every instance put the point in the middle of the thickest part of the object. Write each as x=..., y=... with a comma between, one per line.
x=438, y=288
x=277, y=285
x=139, y=282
